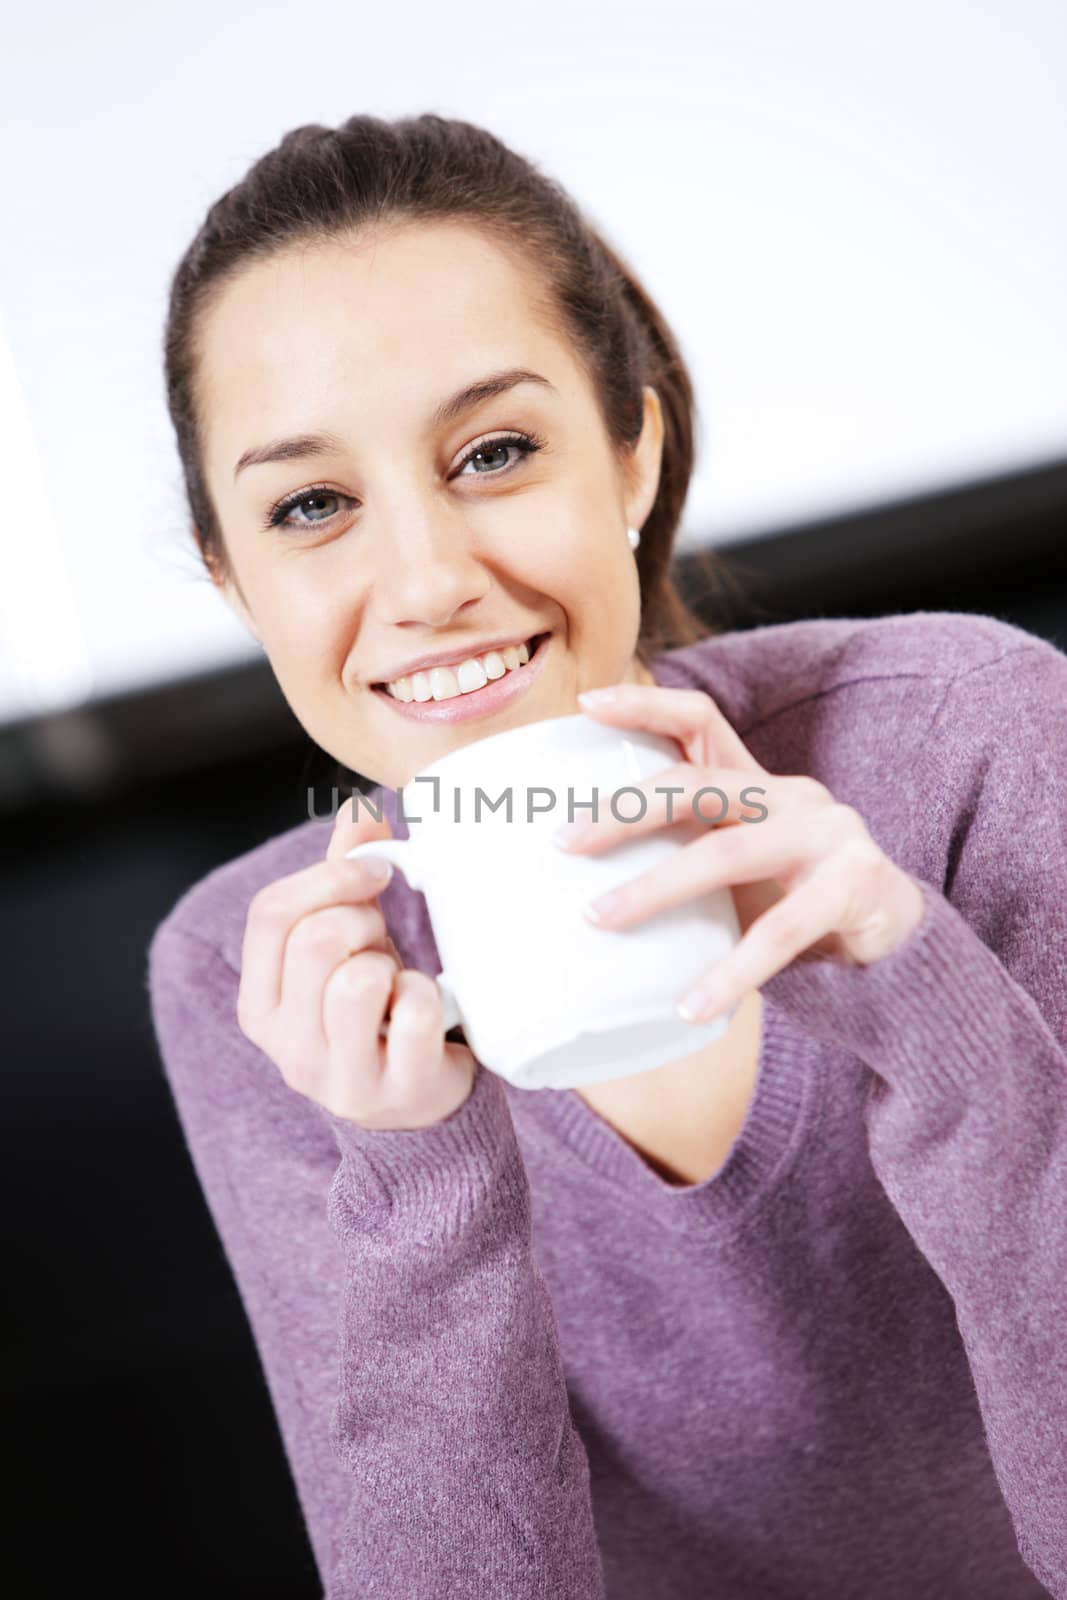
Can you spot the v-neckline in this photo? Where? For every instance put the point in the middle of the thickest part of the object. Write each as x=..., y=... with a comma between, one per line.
x=781, y=1107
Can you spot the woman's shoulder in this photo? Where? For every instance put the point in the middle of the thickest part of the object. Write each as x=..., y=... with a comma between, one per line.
x=761, y=673
x=909, y=718
x=213, y=910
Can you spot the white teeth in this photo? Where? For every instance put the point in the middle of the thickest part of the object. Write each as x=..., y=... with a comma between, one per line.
x=471, y=675
x=441, y=683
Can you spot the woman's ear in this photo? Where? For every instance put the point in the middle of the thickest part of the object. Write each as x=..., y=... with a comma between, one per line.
x=645, y=461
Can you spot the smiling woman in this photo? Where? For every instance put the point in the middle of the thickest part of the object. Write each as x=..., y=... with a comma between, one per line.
x=488, y=398
x=423, y=533
x=783, y=1317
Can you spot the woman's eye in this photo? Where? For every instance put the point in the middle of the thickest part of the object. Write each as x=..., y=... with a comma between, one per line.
x=319, y=505
x=524, y=445
x=486, y=452
x=282, y=514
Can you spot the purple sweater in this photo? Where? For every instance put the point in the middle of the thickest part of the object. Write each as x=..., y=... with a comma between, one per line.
x=509, y=1361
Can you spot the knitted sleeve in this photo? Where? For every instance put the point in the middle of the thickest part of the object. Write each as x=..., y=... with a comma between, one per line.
x=965, y=1028
x=405, y=1332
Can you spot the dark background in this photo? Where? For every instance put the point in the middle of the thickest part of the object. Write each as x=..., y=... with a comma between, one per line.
x=139, y=1425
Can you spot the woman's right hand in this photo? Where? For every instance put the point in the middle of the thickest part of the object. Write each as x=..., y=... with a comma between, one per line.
x=319, y=974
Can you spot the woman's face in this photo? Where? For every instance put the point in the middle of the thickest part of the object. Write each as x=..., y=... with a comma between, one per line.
x=416, y=531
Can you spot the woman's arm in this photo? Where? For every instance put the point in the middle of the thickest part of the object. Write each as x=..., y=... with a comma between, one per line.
x=965, y=1026
x=406, y=1334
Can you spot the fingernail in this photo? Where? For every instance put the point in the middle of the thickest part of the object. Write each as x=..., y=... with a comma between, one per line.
x=570, y=833
x=597, y=697
x=377, y=870
x=604, y=905
x=700, y=1005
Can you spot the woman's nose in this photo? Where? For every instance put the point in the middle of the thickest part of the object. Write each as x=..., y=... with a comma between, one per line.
x=426, y=572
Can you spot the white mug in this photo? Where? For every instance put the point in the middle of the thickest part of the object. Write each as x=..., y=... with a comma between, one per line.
x=545, y=998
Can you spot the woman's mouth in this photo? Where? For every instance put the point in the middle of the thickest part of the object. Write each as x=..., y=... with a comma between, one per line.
x=483, y=701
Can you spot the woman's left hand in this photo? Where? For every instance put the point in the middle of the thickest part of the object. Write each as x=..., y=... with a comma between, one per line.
x=806, y=877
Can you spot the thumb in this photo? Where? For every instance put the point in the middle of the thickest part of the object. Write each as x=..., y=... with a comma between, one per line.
x=352, y=827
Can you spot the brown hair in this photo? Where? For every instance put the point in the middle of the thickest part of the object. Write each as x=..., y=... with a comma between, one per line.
x=323, y=182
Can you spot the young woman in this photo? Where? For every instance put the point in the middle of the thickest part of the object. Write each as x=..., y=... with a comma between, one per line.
x=784, y=1318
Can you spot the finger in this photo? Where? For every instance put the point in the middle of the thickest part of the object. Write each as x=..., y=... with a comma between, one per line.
x=799, y=920
x=688, y=715
x=415, y=1043
x=317, y=945
x=724, y=856
x=277, y=907
x=355, y=1003
x=715, y=796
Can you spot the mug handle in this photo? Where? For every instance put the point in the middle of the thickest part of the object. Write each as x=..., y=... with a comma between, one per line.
x=401, y=853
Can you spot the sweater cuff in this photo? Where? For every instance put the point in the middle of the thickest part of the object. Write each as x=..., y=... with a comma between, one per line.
x=929, y=1017
x=436, y=1178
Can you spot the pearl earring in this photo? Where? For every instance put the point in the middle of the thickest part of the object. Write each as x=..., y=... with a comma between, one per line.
x=634, y=538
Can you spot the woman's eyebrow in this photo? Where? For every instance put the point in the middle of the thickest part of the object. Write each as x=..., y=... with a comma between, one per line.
x=304, y=445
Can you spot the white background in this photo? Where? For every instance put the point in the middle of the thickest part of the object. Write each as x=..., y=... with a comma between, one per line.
x=850, y=214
